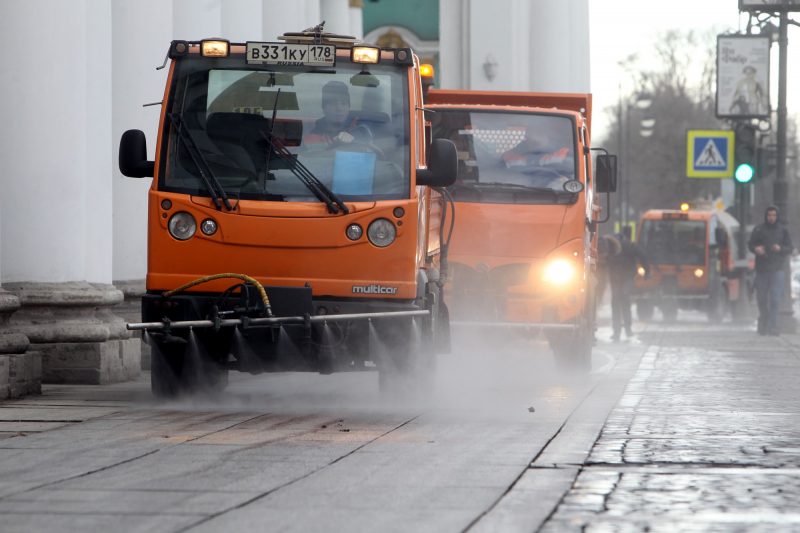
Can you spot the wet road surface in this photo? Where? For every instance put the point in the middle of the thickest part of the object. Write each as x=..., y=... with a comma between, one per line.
x=686, y=427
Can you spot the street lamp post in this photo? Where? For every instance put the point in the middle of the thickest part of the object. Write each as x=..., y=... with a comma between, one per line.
x=624, y=110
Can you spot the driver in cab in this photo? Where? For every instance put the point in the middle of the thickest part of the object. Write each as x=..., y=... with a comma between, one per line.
x=540, y=159
x=338, y=126
x=535, y=150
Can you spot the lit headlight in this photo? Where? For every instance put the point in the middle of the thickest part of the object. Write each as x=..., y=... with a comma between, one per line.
x=182, y=226
x=365, y=54
x=698, y=272
x=214, y=48
x=559, y=272
x=381, y=232
x=640, y=271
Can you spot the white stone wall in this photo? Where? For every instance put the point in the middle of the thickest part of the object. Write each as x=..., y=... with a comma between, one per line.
x=535, y=46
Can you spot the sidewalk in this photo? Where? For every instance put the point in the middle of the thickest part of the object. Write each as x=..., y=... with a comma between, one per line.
x=705, y=438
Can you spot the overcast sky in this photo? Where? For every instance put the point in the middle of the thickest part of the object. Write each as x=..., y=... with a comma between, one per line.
x=620, y=28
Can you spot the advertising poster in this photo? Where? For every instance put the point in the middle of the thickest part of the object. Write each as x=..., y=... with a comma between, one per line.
x=742, y=76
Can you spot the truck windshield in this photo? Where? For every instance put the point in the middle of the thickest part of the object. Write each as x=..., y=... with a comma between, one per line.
x=510, y=157
x=674, y=242
x=259, y=132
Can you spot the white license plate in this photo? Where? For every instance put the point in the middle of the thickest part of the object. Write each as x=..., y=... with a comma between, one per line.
x=321, y=55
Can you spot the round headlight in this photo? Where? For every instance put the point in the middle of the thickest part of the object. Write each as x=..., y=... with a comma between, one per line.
x=182, y=226
x=354, y=232
x=381, y=232
x=208, y=226
x=641, y=271
x=698, y=273
x=559, y=271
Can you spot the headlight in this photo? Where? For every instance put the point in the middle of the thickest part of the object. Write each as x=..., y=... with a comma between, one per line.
x=215, y=48
x=208, y=226
x=698, y=272
x=182, y=226
x=381, y=233
x=559, y=272
x=354, y=232
x=640, y=271
x=365, y=54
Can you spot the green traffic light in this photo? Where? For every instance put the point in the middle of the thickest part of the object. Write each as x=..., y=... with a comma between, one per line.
x=744, y=173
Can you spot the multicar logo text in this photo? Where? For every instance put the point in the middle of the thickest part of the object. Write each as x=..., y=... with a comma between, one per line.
x=373, y=289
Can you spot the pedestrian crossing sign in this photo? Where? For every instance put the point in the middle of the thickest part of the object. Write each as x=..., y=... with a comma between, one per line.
x=709, y=153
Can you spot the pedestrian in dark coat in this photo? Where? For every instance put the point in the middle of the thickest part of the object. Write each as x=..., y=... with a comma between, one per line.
x=772, y=245
x=622, y=269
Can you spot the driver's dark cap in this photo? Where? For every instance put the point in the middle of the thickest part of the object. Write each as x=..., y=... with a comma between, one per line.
x=335, y=91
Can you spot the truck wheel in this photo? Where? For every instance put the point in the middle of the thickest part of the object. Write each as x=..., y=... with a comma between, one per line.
x=669, y=309
x=409, y=366
x=177, y=368
x=644, y=310
x=164, y=370
x=573, y=352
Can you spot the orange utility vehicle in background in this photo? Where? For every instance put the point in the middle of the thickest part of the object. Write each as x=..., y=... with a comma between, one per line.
x=692, y=255
x=523, y=250
x=292, y=221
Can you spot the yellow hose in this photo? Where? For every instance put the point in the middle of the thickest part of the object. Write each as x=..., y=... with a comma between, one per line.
x=243, y=277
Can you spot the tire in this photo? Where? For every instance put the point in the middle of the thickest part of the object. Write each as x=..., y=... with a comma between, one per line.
x=644, y=310
x=180, y=368
x=573, y=352
x=669, y=309
x=164, y=381
x=408, y=369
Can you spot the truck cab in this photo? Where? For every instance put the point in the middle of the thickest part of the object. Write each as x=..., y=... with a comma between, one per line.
x=292, y=222
x=523, y=251
x=692, y=255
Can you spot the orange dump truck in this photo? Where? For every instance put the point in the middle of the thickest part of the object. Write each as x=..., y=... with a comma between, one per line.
x=523, y=249
x=692, y=256
x=292, y=220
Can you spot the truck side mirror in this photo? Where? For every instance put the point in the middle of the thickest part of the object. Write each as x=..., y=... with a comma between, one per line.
x=606, y=173
x=133, y=155
x=442, y=165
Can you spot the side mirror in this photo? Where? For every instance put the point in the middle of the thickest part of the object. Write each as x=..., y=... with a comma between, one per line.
x=442, y=165
x=133, y=155
x=606, y=173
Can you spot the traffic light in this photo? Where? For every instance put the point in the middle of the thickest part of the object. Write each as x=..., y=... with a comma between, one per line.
x=745, y=154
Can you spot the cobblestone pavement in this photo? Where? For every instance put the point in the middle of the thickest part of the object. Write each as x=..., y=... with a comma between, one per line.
x=705, y=438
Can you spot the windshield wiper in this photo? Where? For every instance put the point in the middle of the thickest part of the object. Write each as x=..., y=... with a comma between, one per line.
x=517, y=186
x=207, y=175
x=320, y=190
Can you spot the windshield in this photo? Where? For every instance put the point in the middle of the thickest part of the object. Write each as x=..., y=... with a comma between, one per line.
x=674, y=242
x=510, y=157
x=347, y=128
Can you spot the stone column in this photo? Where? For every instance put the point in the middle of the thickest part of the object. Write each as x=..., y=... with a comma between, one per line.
x=336, y=14
x=20, y=372
x=281, y=17
x=356, y=15
x=242, y=20
x=135, y=81
x=57, y=225
x=194, y=20
x=559, y=68
x=453, y=37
